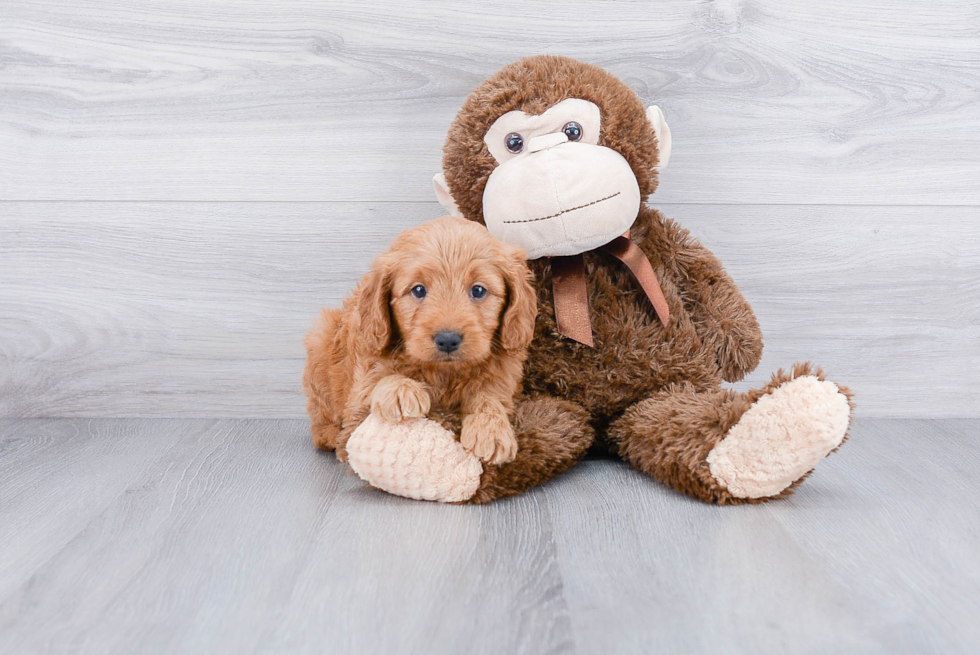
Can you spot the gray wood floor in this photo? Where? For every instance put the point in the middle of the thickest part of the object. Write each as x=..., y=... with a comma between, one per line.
x=219, y=536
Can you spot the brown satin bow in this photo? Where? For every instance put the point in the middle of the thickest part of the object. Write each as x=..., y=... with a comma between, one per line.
x=571, y=294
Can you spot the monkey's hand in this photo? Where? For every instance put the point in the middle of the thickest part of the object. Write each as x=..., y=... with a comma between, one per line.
x=397, y=397
x=488, y=434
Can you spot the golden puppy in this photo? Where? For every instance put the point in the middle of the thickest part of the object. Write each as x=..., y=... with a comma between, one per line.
x=443, y=319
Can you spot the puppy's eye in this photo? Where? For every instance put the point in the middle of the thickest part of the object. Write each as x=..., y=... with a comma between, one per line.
x=514, y=142
x=418, y=291
x=478, y=292
x=573, y=131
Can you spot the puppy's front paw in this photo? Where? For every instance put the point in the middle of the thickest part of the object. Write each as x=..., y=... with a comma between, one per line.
x=489, y=436
x=397, y=397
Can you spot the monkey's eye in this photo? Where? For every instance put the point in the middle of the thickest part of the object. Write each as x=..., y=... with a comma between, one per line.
x=418, y=291
x=514, y=142
x=478, y=292
x=573, y=131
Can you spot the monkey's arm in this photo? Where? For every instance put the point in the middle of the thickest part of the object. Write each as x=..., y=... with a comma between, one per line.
x=721, y=315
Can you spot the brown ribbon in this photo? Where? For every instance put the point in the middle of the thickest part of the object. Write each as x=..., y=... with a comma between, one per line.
x=571, y=298
x=571, y=294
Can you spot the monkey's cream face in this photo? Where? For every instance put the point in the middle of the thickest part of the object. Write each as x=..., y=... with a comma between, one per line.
x=555, y=190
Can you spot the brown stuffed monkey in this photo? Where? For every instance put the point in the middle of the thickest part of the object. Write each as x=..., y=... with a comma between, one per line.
x=638, y=322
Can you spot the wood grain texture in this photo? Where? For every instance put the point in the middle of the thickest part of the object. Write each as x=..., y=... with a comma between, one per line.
x=198, y=309
x=242, y=538
x=874, y=554
x=95, y=462
x=911, y=482
x=770, y=101
x=238, y=537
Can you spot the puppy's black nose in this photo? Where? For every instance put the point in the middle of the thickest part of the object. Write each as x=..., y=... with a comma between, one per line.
x=447, y=341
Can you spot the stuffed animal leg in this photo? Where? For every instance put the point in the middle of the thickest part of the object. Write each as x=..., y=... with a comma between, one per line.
x=415, y=458
x=729, y=448
x=718, y=445
x=422, y=459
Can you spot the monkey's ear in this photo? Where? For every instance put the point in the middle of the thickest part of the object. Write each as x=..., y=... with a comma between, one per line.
x=444, y=196
x=662, y=130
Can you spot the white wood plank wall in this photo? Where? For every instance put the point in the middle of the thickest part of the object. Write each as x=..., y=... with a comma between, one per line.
x=183, y=184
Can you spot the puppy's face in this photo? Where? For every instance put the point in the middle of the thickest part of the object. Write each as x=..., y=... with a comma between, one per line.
x=454, y=293
x=448, y=310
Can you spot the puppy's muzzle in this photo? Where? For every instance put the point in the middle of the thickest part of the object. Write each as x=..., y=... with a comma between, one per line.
x=448, y=341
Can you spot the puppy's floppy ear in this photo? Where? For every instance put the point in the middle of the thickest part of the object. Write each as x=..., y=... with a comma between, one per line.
x=374, y=309
x=517, y=325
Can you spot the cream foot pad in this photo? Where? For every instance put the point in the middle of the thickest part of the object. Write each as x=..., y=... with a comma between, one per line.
x=781, y=437
x=416, y=458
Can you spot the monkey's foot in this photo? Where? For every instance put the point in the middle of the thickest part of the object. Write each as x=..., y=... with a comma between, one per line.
x=781, y=437
x=415, y=458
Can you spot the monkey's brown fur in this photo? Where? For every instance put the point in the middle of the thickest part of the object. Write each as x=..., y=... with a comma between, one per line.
x=654, y=393
x=377, y=354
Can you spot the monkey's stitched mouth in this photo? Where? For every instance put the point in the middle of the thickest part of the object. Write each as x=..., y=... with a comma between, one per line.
x=565, y=211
